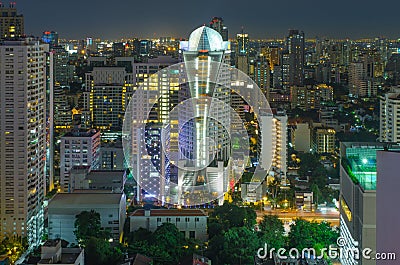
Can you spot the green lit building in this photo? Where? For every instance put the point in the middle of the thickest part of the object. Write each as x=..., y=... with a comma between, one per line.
x=358, y=180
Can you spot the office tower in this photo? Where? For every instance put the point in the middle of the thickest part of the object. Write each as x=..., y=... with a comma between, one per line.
x=207, y=44
x=277, y=77
x=78, y=148
x=389, y=129
x=242, y=49
x=152, y=80
x=106, y=96
x=23, y=138
x=112, y=155
x=62, y=113
x=205, y=139
x=361, y=78
x=51, y=38
x=144, y=48
x=119, y=49
x=323, y=72
x=273, y=55
x=11, y=23
x=217, y=23
x=358, y=186
x=63, y=71
x=260, y=73
x=295, y=51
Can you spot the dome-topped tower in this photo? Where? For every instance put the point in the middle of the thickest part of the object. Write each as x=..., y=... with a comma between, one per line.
x=205, y=38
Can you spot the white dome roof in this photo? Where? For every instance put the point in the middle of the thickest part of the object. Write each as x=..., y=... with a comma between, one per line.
x=205, y=38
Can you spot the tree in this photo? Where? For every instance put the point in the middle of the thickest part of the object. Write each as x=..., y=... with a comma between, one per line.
x=230, y=215
x=239, y=247
x=272, y=231
x=140, y=234
x=98, y=251
x=273, y=191
x=87, y=225
x=168, y=237
x=304, y=234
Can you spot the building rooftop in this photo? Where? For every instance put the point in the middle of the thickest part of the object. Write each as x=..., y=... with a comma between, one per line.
x=81, y=133
x=76, y=199
x=205, y=38
x=359, y=161
x=51, y=243
x=170, y=212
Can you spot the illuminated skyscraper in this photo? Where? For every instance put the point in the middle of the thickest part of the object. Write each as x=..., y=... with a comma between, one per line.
x=361, y=78
x=205, y=137
x=260, y=73
x=50, y=37
x=217, y=23
x=106, y=96
x=242, y=49
x=22, y=138
x=295, y=50
x=11, y=23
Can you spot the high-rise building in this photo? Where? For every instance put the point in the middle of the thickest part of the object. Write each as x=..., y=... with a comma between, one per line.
x=63, y=71
x=22, y=138
x=78, y=148
x=273, y=55
x=323, y=140
x=361, y=78
x=386, y=200
x=206, y=45
x=151, y=86
x=50, y=37
x=106, y=96
x=274, y=132
x=62, y=117
x=11, y=23
x=295, y=50
x=260, y=73
x=242, y=49
x=390, y=116
x=358, y=194
x=217, y=23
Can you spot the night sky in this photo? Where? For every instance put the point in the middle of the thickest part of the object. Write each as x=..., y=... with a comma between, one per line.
x=261, y=19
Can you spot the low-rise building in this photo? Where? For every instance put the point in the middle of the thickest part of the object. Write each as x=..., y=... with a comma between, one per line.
x=78, y=148
x=53, y=253
x=252, y=191
x=112, y=156
x=64, y=207
x=191, y=222
x=82, y=178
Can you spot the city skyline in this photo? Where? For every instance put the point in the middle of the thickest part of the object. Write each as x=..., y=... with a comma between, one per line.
x=260, y=20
